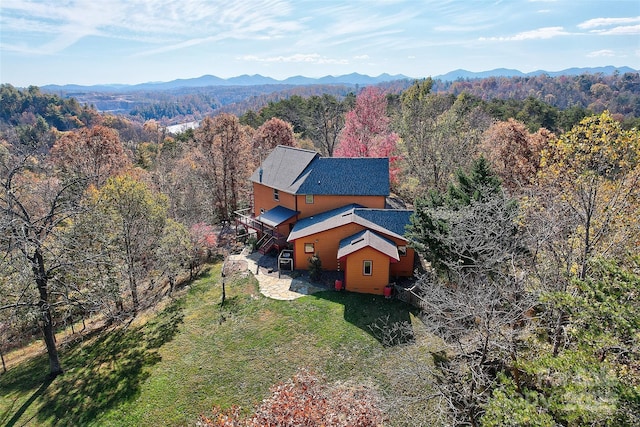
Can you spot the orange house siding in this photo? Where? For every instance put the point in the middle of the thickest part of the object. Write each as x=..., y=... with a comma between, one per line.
x=404, y=267
x=356, y=281
x=326, y=246
x=285, y=228
x=326, y=203
x=263, y=199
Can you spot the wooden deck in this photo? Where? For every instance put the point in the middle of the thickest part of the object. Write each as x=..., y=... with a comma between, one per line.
x=268, y=237
x=246, y=219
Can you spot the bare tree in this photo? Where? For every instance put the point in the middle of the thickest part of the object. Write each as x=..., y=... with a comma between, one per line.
x=34, y=207
x=326, y=120
x=477, y=302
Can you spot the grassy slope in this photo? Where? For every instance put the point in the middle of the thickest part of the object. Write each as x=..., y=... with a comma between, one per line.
x=195, y=354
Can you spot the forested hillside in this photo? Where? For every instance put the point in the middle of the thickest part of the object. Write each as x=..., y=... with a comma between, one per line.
x=526, y=194
x=618, y=93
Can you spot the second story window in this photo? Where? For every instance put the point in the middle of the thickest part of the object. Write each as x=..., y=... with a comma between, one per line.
x=308, y=199
x=276, y=195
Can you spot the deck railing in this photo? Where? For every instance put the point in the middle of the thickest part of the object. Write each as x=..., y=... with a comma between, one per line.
x=244, y=217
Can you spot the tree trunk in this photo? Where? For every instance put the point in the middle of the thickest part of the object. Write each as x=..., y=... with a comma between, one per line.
x=172, y=284
x=48, y=331
x=133, y=284
x=559, y=332
x=4, y=365
x=134, y=293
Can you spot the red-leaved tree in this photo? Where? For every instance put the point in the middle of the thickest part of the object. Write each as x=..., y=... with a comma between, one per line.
x=366, y=131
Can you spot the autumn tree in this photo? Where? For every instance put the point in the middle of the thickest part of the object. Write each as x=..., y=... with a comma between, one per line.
x=587, y=206
x=172, y=173
x=35, y=206
x=95, y=288
x=134, y=219
x=224, y=161
x=592, y=175
x=92, y=153
x=366, y=132
x=439, y=135
x=272, y=133
x=581, y=369
x=514, y=152
x=204, y=240
x=174, y=252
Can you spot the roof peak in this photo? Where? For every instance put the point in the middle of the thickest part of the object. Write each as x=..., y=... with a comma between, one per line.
x=289, y=147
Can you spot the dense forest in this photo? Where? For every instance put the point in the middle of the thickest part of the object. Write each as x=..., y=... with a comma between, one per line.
x=618, y=93
x=526, y=194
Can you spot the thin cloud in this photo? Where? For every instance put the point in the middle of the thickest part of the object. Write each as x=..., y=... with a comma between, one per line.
x=174, y=23
x=538, y=34
x=607, y=22
x=347, y=23
x=313, y=58
x=629, y=30
x=601, y=53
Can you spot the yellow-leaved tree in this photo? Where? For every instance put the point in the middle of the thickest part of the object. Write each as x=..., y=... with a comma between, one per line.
x=588, y=202
x=592, y=175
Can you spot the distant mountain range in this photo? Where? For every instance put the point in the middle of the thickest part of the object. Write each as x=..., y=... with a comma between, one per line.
x=505, y=72
x=348, y=79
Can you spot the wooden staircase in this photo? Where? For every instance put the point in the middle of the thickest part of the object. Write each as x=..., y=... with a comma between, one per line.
x=268, y=242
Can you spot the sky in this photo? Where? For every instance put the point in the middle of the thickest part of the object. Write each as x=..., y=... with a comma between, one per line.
x=137, y=41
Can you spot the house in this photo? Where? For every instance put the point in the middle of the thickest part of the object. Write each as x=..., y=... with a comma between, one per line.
x=333, y=208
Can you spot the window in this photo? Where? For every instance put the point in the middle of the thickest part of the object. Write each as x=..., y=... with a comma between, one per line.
x=309, y=248
x=367, y=268
x=402, y=250
x=276, y=194
x=308, y=199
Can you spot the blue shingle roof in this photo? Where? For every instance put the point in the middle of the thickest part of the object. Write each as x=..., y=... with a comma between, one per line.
x=394, y=220
x=298, y=171
x=283, y=166
x=388, y=221
x=322, y=221
x=345, y=177
x=276, y=216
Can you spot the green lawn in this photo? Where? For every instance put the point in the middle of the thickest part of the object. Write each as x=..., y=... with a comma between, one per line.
x=195, y=354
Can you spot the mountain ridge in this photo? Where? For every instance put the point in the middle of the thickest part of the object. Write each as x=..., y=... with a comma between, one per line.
x=349, y=79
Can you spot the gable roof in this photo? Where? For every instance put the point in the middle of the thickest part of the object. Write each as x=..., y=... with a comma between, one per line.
x=341, y=176
x=283, y=166
x=367, y=238
x=298, y=171
x=394, y=220
x=386, y=221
